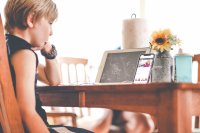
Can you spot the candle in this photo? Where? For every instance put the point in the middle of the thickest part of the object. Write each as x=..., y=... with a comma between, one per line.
x=135, y=33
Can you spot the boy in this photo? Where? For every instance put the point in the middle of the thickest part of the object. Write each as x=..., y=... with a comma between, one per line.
x=28, y=26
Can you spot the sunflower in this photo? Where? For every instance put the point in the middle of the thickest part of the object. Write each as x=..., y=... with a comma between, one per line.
x=160, y=40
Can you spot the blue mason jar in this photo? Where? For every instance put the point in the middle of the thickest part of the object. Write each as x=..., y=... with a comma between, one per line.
x=183, y=63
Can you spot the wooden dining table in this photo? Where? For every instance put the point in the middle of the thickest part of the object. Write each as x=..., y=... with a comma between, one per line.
x=173, y=104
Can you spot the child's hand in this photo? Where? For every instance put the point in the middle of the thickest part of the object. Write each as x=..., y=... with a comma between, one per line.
x=47, y=47
x=49, y=51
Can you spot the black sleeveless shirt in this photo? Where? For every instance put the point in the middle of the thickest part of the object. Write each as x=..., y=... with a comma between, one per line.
x=15, y=44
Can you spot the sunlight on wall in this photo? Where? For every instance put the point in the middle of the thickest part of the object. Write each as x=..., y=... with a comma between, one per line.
x=86, y=28
x=181, y=16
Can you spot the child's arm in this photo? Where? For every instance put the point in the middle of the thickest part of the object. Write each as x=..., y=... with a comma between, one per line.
x=24, y=62
x=50, y=73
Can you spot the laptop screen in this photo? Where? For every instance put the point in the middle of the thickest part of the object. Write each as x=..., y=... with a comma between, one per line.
x=119, y=66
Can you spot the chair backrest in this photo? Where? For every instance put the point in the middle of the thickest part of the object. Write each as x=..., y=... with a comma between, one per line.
x=76, y=74
x=72, y=63
x=10, y=117
x=197, y=58
x=71, y=73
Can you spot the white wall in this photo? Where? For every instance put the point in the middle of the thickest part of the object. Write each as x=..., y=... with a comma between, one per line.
x=86, y=28
x=181, y=16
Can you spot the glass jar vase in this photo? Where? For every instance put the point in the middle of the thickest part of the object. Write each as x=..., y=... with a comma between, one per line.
x=162, y=68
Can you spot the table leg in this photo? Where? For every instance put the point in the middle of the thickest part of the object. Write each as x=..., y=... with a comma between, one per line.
x=174, y=112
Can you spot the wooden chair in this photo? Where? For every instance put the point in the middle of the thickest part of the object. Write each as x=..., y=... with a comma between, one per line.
x=197, y=59
x=10, y=117
x=74, y=62
x=72, y=75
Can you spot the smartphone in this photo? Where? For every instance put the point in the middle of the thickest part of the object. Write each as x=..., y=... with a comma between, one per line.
x=144, y=67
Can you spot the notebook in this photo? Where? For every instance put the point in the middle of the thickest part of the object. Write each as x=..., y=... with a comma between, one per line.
x=119, y=66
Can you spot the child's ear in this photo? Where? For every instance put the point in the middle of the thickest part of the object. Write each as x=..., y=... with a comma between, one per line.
x=30, y=20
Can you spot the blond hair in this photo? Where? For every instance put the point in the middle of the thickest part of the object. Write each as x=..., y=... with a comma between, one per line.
x=17, y=11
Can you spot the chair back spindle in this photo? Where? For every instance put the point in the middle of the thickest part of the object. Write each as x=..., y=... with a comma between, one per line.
x=73, y=75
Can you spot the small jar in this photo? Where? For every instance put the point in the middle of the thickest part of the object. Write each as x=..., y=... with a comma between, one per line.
x=183, y=67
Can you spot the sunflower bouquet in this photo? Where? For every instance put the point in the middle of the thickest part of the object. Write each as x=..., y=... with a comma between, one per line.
x=163, y=40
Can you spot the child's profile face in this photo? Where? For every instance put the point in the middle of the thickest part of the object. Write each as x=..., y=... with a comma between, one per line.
x=40, y=32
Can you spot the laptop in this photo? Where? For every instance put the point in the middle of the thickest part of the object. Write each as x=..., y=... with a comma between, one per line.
x=119, y=66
